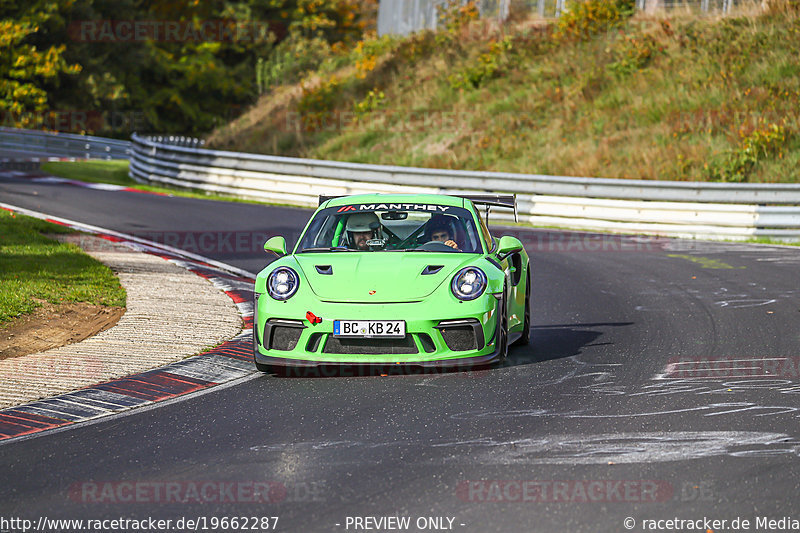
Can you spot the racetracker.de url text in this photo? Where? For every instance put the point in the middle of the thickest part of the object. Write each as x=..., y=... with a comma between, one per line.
x=45, y=524
x=757, y=523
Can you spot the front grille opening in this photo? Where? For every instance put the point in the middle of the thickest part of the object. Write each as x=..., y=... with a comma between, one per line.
x=284, y=338
x=459, y=338
x=427, y=343
x=313, y=342
x=343, y=345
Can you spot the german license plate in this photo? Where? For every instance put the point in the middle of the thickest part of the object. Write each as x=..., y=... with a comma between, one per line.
x=369, y=328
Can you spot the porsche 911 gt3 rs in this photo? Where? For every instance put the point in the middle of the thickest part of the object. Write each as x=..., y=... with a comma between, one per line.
x=393, y=279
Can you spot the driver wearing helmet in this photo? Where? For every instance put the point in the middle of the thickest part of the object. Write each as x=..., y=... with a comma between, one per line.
x=361, y=227
x=439, y=230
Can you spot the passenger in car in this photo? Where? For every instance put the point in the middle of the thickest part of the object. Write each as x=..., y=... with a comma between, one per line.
x=439, y=230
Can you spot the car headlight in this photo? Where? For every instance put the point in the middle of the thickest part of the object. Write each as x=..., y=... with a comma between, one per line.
x=282, y=283
x=469, y=283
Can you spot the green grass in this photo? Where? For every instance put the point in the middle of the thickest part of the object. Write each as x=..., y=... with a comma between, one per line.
x=35, y=267
x=666, y=96
x=116, y=173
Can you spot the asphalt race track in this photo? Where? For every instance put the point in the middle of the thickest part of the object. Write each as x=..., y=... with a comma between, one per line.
x=662, y=383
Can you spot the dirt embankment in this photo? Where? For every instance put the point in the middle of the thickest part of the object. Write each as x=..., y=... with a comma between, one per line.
x=52, y=326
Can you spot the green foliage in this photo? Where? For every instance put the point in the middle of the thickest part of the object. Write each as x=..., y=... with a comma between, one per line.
x=455, y=15
x=366, y=53
x=333, y=20
x=417, y=46
x=26, y=68
x=657, y=98
x=290, y=61
x=374, y=100
x=48, y=65
x=633, y=53
x=585, y=18
x=35, y=267
x=738, y=165
x=486, y=66
x=317, y=103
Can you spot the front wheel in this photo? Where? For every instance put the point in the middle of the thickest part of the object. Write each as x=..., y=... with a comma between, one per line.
x=267, y=369
x=525, y=339
x=502, y=331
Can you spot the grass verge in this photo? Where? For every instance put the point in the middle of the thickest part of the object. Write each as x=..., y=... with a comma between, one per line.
x=116, y=173
x=601, y=92
x=34, y=267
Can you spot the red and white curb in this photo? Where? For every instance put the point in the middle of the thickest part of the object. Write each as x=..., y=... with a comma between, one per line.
x=230, y=361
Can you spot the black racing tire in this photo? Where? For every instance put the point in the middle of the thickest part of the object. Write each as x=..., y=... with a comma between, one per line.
x=267, y=369
x=261, y=367
x=525, y=339
x=502, y=331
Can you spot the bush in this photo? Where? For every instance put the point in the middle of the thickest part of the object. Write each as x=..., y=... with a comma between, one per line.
x=738, y=165
x=583, y=19
x=633, y=53
x=317, y=103
x=417, y=46
x=290, y=61
x=455, y=15
x=374, y=100
x=486, y=66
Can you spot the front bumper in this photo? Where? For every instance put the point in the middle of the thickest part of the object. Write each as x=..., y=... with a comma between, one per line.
x=284, y=337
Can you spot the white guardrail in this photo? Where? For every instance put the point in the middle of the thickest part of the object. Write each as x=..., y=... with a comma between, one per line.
x=44, y=144
x=681, y=209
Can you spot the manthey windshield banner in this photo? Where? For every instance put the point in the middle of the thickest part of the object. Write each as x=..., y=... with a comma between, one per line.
x=395, y=207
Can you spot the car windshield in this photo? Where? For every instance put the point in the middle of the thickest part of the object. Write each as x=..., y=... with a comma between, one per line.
x=391, y=228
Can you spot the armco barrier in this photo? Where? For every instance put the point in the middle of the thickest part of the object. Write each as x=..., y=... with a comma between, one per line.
x=680, y=209
x=44, y=144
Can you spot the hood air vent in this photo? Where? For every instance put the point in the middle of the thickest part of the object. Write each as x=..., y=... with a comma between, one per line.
x=326, y=270
x=432, y=269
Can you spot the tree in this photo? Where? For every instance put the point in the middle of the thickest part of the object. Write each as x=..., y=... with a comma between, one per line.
x=27, y=69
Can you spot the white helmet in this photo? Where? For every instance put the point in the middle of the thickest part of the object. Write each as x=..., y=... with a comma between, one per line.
x=359, y=222
x=363, y=222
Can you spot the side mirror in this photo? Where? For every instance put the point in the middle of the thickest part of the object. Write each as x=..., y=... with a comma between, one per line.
x=508, y=245
x=276, y=245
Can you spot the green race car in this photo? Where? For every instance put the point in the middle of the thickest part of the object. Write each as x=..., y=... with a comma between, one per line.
x=400, y=279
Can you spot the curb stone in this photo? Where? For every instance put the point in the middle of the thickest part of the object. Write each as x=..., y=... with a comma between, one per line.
x=228, y=361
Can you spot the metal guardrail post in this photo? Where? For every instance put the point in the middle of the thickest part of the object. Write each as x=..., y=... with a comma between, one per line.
x=559, y=7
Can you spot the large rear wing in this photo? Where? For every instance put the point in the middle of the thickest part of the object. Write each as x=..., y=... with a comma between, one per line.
x=325, y=197
x=507, y=201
